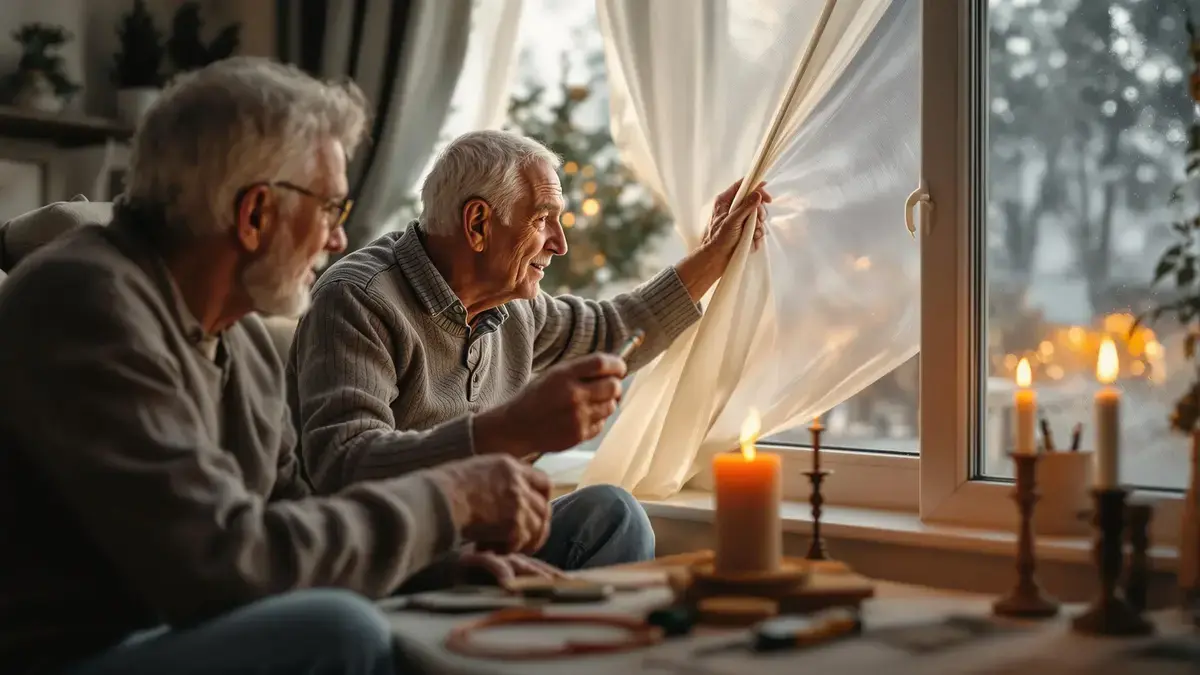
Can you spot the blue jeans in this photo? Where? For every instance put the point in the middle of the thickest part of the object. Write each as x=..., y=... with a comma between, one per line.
x=309, y=632
x=596, y=526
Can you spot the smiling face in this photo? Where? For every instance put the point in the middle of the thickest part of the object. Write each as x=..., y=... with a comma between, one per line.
x=297, y=237
x=523, y=242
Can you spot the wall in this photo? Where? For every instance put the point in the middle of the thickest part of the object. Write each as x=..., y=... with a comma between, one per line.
x=89, y=61
x=89, y=57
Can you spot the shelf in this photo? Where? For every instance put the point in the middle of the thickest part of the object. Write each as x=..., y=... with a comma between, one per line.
x=63, y=130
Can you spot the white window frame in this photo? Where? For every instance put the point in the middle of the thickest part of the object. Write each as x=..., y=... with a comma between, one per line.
x=953, y=36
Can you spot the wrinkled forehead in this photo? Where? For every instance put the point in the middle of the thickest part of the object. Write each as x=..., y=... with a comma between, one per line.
x=545, y=190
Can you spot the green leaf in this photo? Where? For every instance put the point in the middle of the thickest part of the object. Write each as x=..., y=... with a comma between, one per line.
x=1186, y=274
x=1167, y=263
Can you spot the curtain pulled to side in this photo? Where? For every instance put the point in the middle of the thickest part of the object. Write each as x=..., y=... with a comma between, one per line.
x=407, y=56
x=821, y=100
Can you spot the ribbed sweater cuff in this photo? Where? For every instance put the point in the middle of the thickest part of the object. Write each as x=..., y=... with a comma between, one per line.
x=669, y=302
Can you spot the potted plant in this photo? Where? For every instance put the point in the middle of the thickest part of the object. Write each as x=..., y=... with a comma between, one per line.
x=1180, y=266
x=41, y=82
x=188, y=50
x=138, y=65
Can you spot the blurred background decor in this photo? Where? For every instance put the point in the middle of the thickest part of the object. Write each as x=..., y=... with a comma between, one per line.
x=40, y=82
x=138, y=68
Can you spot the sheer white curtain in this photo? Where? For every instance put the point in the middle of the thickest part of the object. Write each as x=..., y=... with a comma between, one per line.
x=444, y=46
x=706, y=91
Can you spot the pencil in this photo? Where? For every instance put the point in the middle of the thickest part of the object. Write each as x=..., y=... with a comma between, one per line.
x=631, y=343
x=1076, y=433
x=1047, y=436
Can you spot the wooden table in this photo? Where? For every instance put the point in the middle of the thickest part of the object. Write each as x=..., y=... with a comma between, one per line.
x=1047, y=647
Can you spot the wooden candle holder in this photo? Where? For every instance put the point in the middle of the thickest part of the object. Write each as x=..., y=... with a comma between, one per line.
x=799, y=586
x=816, y=548
x=1138, y=578
x=1026, y=599
x=1109, y=613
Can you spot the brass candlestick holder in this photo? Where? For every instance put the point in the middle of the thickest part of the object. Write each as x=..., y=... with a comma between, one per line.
x=1109, y=613
x=816, y=548
x=1026, y=599
x=1137, y=579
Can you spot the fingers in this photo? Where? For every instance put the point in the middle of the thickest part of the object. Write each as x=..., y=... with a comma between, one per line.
x=542, y=537
x=527, y=530
x=724, y=200
x=765, y=195
x=597, y=365
x=533, y=511
x=524, y=565
x=498, y=567
x=538, y=480
x=746, y=208
x=603, y=390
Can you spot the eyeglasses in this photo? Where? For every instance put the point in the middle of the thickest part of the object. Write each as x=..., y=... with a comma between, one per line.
x=338, y=209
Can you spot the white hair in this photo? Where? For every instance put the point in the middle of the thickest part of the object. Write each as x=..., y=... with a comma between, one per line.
x=234, y=123
x=480, y=164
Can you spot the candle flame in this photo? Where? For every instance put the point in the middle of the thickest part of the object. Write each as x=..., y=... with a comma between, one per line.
x=750, y=429
x=1108, y=365
x=1024, y=374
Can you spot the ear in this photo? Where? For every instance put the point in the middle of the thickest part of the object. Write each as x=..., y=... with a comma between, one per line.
x=477, y=223
x=254, y=217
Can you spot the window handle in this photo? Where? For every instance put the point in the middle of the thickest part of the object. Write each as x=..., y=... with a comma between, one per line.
x=917, y=197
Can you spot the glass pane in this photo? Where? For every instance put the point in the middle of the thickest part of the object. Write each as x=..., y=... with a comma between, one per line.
x=884, y=417
x=1087, y=110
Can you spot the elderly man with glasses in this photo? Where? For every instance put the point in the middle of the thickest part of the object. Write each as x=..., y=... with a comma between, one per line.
x=436, y=344
x=153, y=518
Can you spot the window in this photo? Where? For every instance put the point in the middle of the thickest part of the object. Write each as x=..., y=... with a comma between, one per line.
x=1077, y=215
x=1051, y=202
x=567, y=60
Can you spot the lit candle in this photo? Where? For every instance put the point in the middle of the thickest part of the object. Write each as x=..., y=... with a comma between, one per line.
x=1108, y=417
x=1026, y=409
x=748, y=487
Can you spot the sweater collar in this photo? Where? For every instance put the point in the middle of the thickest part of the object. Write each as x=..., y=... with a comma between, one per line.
x=431, y=288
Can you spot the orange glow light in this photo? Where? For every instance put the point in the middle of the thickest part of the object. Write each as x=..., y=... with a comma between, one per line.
x=750, y=429
x=1024, y=374
x=1108, y=366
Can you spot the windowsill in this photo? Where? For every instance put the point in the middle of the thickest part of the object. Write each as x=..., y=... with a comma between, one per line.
x=898, y=528
x=895, y=527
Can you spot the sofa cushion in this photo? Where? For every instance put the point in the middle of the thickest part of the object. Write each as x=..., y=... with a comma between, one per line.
x=26, y=233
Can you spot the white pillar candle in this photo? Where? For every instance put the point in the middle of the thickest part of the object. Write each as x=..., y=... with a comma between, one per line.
x=1108, y=418
x=1026, y=410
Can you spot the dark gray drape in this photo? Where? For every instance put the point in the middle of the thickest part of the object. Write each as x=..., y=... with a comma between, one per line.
x=406, y=56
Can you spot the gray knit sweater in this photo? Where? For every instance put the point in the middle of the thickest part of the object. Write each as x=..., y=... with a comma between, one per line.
x=385, y=375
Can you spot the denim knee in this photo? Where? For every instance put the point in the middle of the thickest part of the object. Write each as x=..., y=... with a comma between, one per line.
x=346, y=627
x=629, y=519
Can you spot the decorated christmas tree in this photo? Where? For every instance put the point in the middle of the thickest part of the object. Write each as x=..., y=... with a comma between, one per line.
x=610, y=220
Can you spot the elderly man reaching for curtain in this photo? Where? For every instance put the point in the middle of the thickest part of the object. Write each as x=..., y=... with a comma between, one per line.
x=436, y=344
